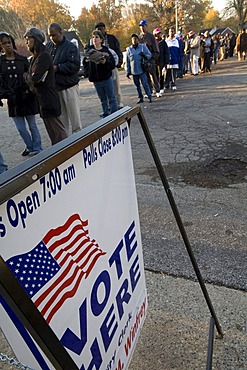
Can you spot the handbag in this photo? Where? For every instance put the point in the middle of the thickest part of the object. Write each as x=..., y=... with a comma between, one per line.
x=145, y=63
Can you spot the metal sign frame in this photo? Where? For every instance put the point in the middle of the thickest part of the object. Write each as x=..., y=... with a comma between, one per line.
x=23, y=175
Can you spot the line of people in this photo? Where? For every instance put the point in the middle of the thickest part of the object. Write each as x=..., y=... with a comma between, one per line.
x=164, y=55
x=47, y=84
x=174, y=56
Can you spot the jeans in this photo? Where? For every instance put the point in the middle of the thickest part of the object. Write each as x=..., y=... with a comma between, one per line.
x=105, y=91
x=33, y=140
x=144, y=80
x=216, y=55
x=3, y=166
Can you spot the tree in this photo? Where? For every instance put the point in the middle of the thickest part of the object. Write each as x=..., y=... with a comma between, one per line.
x=85, y=24
x=131, y=16
x=106, y=11
x=190, y=13
x=110, y=11
x=39, y=13
x=240, y=8
x=212, y=19
x=11, y=23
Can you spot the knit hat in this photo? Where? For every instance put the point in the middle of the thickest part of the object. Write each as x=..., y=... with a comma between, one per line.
x=156, y=31
x=36, y=34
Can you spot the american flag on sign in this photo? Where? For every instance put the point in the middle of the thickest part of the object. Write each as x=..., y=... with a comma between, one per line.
x=52, y=271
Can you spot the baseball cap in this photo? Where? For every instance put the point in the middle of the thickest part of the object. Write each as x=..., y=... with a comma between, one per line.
x=135, y=35
x=156, y=30
x=36, y=34
x=100, y=24
x=143, y=22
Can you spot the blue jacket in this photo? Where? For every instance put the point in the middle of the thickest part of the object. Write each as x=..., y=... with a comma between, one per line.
x=175, y=50
x=133, y=59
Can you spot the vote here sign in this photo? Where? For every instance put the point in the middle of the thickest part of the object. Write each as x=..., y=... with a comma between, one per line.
x=72, y=239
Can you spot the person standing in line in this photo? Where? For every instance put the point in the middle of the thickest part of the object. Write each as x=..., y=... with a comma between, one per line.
x=232, y=45
x=187, y=64
x=208, y=47
x=243, y=44
x=216, y=48
x=163, y=58
x=194, y=52
x=3, y=166
x=134, y=56
x=100, y=73
x=238, y=46
x=149, y=40
x=66, y=61
x=222, y=49
x=22, y=104
x=112, y=42
x=178, y=35
x=175, y=60
x=40, y=77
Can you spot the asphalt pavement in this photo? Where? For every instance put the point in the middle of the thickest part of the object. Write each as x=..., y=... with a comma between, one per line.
x=200, y=133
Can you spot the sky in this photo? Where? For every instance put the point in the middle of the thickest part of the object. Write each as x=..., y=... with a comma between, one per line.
x=77, y=5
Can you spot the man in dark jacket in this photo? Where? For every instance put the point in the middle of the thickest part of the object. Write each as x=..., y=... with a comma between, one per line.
x=66, y=61
x=112, y=42
x=148, y=39
x=163, y=59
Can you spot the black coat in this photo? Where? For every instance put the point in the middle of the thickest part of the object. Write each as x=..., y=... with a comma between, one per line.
x=21, y=101
x=164, y=57
x=41, y=79
x=99, y=72
x=114, y=44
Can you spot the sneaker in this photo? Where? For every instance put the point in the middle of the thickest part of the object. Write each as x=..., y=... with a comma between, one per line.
x=145, y=96
x=174, y=87
x=162, y=91
x=153, y=94
x=158, y=95
x=25, y=153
